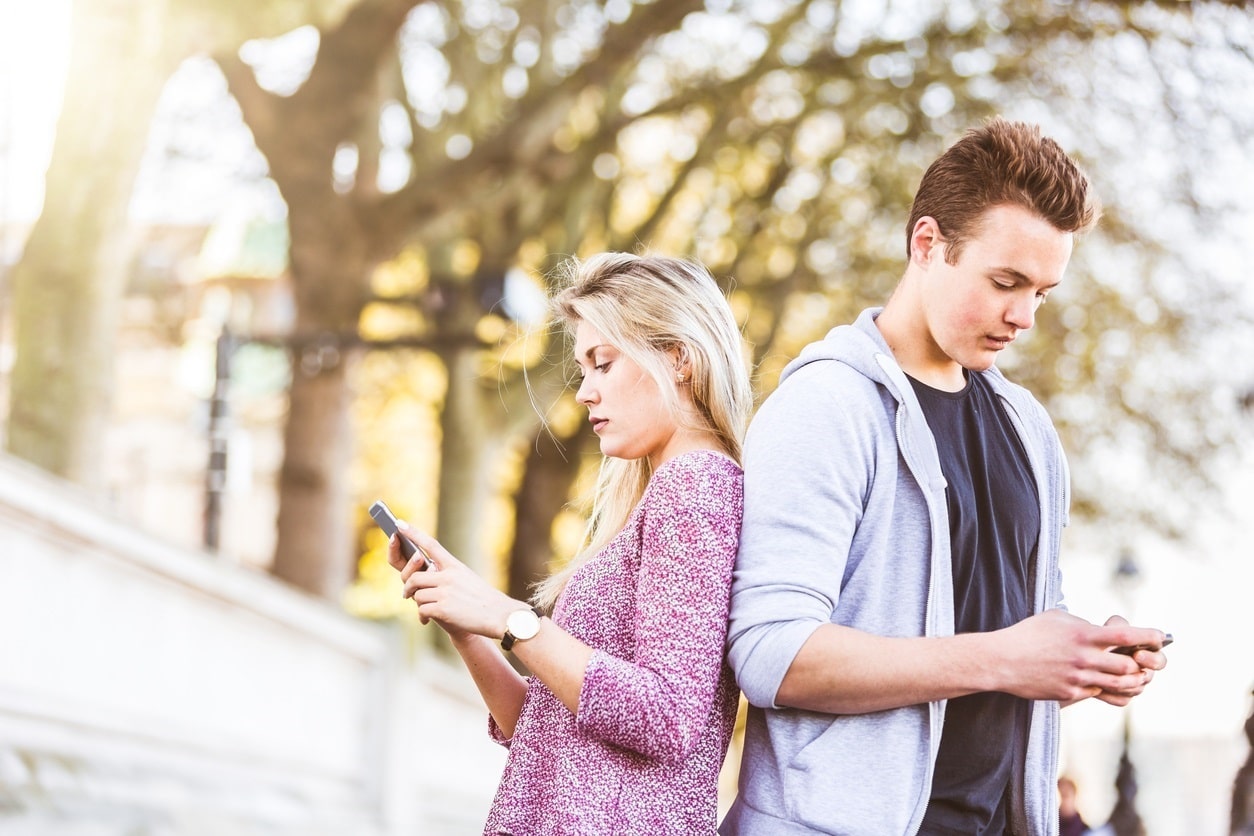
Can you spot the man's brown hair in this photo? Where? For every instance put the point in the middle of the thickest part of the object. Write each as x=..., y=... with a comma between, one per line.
x=1002, y=163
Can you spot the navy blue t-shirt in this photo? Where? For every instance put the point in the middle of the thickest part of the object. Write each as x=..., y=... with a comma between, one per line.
x=994, y=524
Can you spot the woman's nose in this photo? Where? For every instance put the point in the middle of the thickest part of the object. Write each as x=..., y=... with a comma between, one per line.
x=585, y=395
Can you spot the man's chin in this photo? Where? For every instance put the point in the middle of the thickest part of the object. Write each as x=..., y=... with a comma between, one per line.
x=982, y=365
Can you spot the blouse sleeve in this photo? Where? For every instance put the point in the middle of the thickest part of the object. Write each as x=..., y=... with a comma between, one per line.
x=494, y=732
x=658, y=703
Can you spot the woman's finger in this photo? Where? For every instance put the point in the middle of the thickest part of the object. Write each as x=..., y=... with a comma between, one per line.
x=418, y=563
x=395, y=558
x=436, y=553
x=419, y=580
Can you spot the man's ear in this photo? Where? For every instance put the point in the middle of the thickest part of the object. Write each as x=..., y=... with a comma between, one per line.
x=926, y=241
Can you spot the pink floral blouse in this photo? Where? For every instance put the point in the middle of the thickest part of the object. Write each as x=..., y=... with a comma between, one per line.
x=658, y=702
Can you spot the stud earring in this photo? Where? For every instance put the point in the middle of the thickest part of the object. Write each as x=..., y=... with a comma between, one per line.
x=680, y=377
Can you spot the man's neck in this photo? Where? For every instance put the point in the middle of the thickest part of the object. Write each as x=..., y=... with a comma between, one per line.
x=907, y=335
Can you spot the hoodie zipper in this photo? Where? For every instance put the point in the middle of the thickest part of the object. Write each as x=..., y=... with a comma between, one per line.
x=929, y=615
x=1046, y=594
x=935, y=717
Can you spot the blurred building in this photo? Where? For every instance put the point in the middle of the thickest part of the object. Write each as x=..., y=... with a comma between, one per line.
x=187, y=285
x=186, y=291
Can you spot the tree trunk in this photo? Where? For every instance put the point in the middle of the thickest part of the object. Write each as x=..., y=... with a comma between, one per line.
x=549, y=473
x=470, y=451
x=330, y=263
x=335, y=244
x=69, y=283
x=315, y=538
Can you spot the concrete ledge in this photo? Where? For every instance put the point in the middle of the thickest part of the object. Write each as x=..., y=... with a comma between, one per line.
x=150, y=688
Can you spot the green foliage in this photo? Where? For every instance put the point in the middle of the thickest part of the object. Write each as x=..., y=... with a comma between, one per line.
x=780, y=142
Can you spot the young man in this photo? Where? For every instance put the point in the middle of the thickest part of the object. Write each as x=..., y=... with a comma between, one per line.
x=895, y=620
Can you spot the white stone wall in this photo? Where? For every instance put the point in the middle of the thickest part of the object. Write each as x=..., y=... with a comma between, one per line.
x=150, y=689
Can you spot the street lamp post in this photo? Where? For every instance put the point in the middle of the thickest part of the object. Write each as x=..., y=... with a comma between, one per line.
x=1124, y=819
x=1243, y=789
x=215, y=474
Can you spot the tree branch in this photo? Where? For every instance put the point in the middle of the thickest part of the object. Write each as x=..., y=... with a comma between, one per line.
x=621, y=45
x=257, y=105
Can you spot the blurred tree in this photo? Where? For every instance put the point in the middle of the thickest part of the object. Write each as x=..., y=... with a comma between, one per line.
x=777, y=141
x=68, y=285
x=481, y=176
x=459, y=144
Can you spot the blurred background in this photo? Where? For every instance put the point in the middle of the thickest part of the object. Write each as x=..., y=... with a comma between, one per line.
x=264, y=262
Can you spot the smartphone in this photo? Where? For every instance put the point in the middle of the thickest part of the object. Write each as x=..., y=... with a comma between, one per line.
x=1129, y=649
x=383, y=515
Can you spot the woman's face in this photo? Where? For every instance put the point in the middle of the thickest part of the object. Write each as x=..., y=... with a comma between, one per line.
x=624, y=404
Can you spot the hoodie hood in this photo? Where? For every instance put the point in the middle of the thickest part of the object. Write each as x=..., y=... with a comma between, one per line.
x=857, y=345
x=862, y=347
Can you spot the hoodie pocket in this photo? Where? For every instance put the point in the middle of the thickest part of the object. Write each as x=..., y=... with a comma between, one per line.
x=863, y=776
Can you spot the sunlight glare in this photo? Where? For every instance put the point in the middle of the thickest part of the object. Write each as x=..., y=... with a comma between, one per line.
x=34, y=59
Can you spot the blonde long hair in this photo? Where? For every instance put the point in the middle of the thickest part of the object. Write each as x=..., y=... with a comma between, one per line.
x=649, y=307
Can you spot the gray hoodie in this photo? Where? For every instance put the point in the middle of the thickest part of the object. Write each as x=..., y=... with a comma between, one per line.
x=845, y=522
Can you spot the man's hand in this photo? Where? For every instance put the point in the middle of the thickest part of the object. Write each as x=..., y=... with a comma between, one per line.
x=1150, y=659
x=1058, y=656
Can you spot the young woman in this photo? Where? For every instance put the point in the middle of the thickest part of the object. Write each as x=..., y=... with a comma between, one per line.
x=626, y=718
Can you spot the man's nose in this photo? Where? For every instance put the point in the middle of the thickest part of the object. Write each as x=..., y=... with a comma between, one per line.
x=1022, y=313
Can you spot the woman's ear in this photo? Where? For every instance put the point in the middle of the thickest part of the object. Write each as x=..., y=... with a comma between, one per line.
x=679, y=358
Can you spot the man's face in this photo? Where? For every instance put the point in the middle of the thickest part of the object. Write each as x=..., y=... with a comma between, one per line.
x=977, y=307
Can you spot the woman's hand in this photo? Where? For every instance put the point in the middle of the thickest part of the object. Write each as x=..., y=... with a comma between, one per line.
x=448, y=591
x=445, y=590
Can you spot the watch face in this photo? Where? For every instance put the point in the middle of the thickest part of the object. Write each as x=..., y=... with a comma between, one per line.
x=523, y=624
